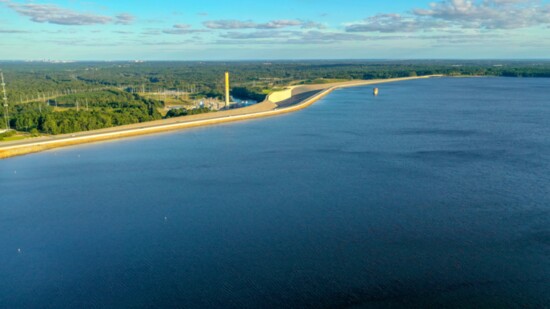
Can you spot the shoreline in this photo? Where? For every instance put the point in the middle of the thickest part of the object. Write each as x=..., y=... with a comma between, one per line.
x=267, y=108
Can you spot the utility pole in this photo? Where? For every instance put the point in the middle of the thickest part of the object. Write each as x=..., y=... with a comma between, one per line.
x=5, y=99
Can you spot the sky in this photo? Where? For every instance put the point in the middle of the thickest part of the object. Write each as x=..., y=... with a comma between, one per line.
x=272, y=30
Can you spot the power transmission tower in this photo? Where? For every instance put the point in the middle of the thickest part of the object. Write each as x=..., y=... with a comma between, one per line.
x=5, y=99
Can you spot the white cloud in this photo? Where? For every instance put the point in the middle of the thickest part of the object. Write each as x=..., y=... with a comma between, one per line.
x=228, y=24
x=257, y=35
x=289, y=37
x=390, y=23
x=183, y=29
x=125, y=19
x=461, y=14
x=53, y=14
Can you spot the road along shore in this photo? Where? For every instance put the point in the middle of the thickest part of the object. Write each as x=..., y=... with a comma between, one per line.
x=277, y=103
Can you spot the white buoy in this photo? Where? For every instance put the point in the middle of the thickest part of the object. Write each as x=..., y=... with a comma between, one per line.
x=18, y=250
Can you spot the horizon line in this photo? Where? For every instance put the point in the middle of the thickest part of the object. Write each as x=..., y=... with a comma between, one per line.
x=274, y=59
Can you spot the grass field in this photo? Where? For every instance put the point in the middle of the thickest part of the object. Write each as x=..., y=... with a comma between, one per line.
x=17, y=137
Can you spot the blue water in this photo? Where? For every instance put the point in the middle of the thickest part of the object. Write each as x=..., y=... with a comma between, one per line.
x=434, y=194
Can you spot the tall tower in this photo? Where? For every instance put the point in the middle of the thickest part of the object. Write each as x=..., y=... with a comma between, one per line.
x=5, y=100
x=227, y=98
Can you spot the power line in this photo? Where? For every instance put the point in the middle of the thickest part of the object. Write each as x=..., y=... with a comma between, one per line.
x=5, y=99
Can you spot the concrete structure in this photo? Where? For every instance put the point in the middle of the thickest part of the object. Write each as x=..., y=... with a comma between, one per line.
x=281, y=95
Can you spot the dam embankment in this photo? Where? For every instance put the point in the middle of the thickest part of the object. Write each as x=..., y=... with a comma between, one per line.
x=291, y=99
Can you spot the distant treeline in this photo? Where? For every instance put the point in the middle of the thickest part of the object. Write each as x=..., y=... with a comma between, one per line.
x=76, y=84
x=30, y=79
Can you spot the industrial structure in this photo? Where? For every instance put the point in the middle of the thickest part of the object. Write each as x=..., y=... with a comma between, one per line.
x=227, y=97
x=5, y=101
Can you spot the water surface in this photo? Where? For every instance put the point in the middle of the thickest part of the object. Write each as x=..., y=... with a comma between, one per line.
x=434, y=194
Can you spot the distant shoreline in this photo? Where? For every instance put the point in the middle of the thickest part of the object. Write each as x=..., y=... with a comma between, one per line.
x=267, y=108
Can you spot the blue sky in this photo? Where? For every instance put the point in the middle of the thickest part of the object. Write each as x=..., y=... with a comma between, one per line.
x=282, y=29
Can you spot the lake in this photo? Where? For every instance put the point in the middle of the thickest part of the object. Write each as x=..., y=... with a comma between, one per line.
x=434, y=194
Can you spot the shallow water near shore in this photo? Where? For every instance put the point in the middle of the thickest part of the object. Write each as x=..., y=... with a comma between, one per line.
x=434, y=194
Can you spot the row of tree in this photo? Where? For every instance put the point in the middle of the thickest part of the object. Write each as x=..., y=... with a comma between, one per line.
x=105, y=109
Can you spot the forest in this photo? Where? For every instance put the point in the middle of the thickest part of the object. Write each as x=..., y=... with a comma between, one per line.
x=102, y=110
x=56, y=98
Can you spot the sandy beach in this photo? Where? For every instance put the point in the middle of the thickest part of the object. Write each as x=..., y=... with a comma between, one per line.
x=292, y=99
